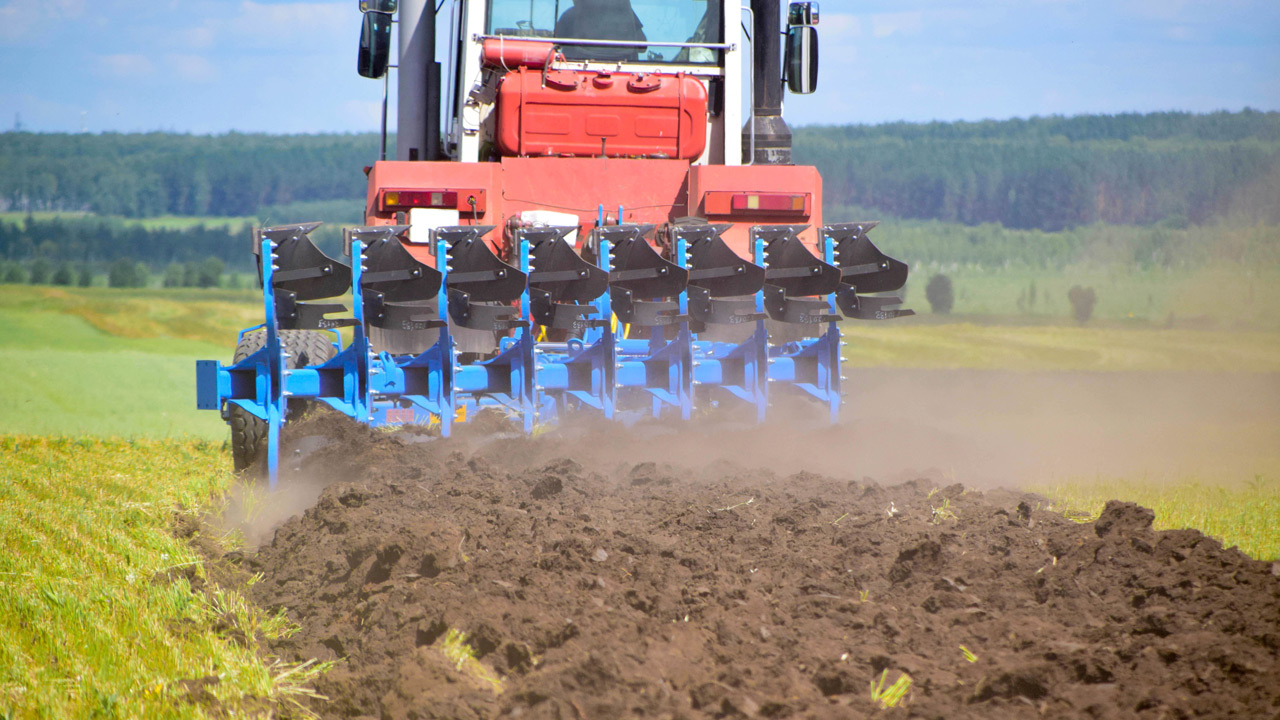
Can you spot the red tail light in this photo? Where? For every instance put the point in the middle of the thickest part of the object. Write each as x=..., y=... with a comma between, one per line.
x=768, y=202
x=405, y=199
x=735, y=203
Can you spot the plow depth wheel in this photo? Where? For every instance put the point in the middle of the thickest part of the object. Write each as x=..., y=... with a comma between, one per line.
x=249, y=433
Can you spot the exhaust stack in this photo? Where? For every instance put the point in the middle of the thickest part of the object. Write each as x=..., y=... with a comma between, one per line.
x=772, y=141
x=418, y=83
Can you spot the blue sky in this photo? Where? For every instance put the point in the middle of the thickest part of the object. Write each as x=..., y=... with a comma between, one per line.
x=210, y=67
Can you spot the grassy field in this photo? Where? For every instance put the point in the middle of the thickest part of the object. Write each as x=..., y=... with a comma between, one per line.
x=108, y=362
x=1214, y=296
x=979, y=343
x=1240, y=514
x=167, y=222
x=98, y=614
x=100, y=445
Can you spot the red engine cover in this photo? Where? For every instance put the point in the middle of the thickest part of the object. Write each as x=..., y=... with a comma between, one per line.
x=572, y=112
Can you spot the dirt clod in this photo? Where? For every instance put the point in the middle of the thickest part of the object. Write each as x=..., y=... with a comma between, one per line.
x=501, y=578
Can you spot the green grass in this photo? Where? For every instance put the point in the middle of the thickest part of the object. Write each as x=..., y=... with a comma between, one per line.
x=462, y=656
x=111, y=362
x=1213, y=296
x=1240, y=514
x=92, y=621
x=336, y=212
x=893, y=695
x=104, y=362
x=924, y=343
x=84, y=522
x=340, y=212
x=167, y=222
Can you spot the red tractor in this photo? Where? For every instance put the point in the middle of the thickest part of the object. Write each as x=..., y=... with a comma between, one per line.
x=579, y=218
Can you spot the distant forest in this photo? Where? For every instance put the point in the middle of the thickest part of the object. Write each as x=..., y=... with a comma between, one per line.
x=1164, y=170
x=1056, y=173
x=1043, y=173
x=145, y=175
x=96, y=241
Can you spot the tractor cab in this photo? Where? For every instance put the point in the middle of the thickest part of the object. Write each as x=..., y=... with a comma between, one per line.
x=586, y=78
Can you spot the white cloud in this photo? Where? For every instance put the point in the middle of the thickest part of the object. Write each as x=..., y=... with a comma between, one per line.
x=1171, y=10
x=197, y=38
x=902, y=23
x=125, y=65
x=25, y=19
x=275, y=26
x=16, y=19
x=364, y=114
x=191, y=68
x=837, y=27
x=288, y=22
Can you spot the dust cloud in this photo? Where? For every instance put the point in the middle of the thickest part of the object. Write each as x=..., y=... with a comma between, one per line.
x=256, y=511
x=983, y=429
x=995, y=428
x=1009, y=428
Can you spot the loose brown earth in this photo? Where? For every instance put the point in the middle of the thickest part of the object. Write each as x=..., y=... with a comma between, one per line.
x=592, y=588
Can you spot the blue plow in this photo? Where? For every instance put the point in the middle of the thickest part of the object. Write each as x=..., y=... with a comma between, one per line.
x=615, y=329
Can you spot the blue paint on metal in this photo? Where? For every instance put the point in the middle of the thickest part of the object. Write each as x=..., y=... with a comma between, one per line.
x=657, y=372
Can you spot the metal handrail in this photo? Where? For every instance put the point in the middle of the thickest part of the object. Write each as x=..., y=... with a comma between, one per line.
x=612, y=43
x=751, y=85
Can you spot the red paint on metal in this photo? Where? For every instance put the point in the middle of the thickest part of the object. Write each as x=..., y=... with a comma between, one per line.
x=585, y=114
x=770, y=203
x=460, y=199
x=649, y=191
x=509, y=54
x=711, y=188
x=399, y=416
x=466, y=177
x=752, y=204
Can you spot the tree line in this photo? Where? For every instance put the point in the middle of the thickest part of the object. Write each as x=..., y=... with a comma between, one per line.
x=122, y=273
x=1038, y=173
x=934, y=243
x=145, y=175
x=100, y=242
x=1056, y=173
x=37, y=248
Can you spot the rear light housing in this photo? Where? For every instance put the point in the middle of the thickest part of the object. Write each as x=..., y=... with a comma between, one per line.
x=406, y=199
x=768, y=202
x=758, y=203
x=462, y=200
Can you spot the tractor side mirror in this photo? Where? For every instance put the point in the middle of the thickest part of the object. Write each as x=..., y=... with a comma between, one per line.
x=802, y=13
x=379, y=6
x=802, y=59
x=375, y=43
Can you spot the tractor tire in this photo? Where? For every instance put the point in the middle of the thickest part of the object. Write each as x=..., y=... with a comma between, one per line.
x=248, y=432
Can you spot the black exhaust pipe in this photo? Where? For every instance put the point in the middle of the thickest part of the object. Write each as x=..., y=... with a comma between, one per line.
x=418, y=83
x=766, y=139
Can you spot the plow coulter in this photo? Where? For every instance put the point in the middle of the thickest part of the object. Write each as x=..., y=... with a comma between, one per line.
x=641, y=321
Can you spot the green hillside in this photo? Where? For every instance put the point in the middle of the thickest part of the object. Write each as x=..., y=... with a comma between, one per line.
x=108, y=362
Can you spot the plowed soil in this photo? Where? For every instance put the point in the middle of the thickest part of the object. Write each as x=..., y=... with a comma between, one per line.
x=591, y=584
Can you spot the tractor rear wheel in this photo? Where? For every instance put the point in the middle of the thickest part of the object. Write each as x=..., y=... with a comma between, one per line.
x=248, y=432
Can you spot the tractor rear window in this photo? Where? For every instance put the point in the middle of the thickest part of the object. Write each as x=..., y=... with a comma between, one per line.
x=631, y=24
